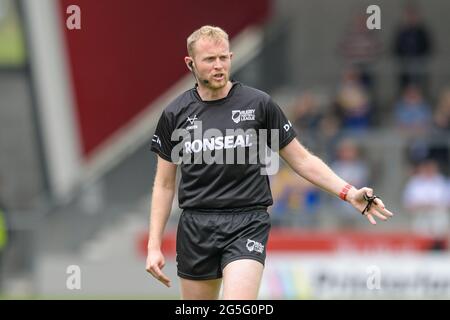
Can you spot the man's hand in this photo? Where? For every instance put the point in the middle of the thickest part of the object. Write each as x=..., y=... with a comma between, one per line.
x=155, y=262
x=358, y=201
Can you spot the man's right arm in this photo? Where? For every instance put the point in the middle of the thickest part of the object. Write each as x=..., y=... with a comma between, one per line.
x=162, y=198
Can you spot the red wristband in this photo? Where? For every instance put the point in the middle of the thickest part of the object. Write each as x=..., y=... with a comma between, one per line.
x=344, y=192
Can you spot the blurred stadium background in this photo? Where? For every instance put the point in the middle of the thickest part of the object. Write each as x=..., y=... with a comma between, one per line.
x=78, y=109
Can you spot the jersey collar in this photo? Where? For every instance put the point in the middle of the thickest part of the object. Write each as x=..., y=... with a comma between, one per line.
x=234, y=83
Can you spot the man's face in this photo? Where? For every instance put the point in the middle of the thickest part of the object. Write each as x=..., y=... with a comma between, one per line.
x=212, y=60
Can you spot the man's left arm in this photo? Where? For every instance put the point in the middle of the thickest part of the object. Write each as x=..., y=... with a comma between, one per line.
x=317, y=172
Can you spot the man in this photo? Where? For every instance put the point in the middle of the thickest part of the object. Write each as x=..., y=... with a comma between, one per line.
x=413, y=46
x=224, y=227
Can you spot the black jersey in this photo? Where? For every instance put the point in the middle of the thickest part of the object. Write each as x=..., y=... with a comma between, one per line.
x=214, y=144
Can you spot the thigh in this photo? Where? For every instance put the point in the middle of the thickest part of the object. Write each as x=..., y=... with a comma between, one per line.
x=247, y=238
x=242, y=279
x=200, y=289
x=244, y=257
x=198, y=253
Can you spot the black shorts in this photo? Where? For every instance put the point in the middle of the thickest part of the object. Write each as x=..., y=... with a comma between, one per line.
x=208, y=240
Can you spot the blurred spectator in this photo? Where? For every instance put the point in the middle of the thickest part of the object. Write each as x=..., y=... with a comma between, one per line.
x=418, y=149
x=349, y=165
x=352, y=105
x=441, y=115
x=412, y=112
x=430, y=146
x=295, y=199
x=441, y=129
x=307, y=116
x=361, y=47
x=412, y=47
x=306, y=112
x=426, y=198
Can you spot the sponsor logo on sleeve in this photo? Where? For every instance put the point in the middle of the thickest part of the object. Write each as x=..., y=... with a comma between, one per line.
x=156, y=139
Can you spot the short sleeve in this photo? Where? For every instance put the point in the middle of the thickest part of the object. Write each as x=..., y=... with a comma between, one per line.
x=276, y=120
x=161, y=140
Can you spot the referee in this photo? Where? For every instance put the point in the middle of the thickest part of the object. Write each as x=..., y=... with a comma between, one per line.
x=224, y=227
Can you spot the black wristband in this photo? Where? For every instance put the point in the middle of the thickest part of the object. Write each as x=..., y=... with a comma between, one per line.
x=370, y=201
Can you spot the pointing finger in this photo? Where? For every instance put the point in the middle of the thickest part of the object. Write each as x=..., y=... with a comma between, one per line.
x=161, y=276
x=381, y=207
x=371, y=219
x=378, y=214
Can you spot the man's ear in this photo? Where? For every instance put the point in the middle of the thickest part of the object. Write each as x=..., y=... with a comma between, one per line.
x=189, y=63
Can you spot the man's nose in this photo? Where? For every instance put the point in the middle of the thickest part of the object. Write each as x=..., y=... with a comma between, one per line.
x=218, y=64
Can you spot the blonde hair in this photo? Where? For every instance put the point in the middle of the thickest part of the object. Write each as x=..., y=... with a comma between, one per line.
x=211, y=32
